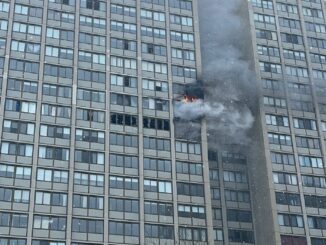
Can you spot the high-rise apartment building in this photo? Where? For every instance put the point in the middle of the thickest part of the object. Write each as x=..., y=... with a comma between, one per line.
x=89, y=149
x=289, y=51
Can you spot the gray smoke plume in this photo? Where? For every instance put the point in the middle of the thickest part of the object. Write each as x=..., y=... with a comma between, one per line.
x=227, y=75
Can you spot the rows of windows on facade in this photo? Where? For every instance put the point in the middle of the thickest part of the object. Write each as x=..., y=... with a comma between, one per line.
x=59, y=98
x=291, y=47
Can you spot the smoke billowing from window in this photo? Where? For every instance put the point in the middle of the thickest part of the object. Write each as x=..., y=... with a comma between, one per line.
x=228, y=79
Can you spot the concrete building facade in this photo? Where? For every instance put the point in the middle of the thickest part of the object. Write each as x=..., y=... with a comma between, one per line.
x=89, y=152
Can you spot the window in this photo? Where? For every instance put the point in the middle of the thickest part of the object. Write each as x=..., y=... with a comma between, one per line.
x=20, y=106
x=157, y=186
x=292, y=240
x=91, y=76
x=157, y=164
x=123, y=10
x=263, y=18
x=123, y=27
x=218, y=235
x=285, y=178
x=192, y=234
x=288, y=8
x=317, y=222
x=25, y=47
x=92, y=58
x=55, y=176
x=18, y=149
x=158, y=208
x=11, y=195
x=49, y=223
x=123, y=229
x=65, y=2
x=265, y=4
x=123, y=44
x=56, y=111
x=189, y=168
x=90, y=136
x=315, y=201
x=126, y=183
x=18, y=127
x=155, y=104
x=63, y=35
x=186, y=72
x=302, y=105
x=289, y=23
x=234, y=176
x=189, y=189
x=10, y=171
x=152, y=15
x=191, y=211
x=10, y=241
x=159, y=231
x=93, y=4
x=237, y=196
x=155, y=85
x=91, y=202
x=182, y=37
x=54, y=131
x=309, y=161
x=290, y=220
x=279, y=139
x=239, y=215
x=299, y=88
x=189, y=148
x=87, y=226
x=313, y=181
x=154, y=67
x=3, y=25
x=89, y=179
x=296, y=71
x=149, y=48
x=241, y=236
x=26, y=28
x=282, y=158
x=62, y=53
x=181, y=4
x=56, y=90
x=90, y=115
x=51, y=198
x=61, y=16
x=156, y=123
x=305, y=142
x=277, y=120
x=124, y=100
x=125, y=81
x=270, y=67
x=124, y=140
x=90, y=95
x=22, y=86
x=285, y=198
x=24, y=66
x=181, y=20
x=92, y=22
x=291, y=38
x=157, y=144
x=58, y=71
x=124, y=119
x=124, y=161
x=231, y=157
x=92, y=39
x=90, y=157
x=123, y=205
x=265, y=34
x=4, y=7
x=15, y=220
x=153, y=32
x=53, y=153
